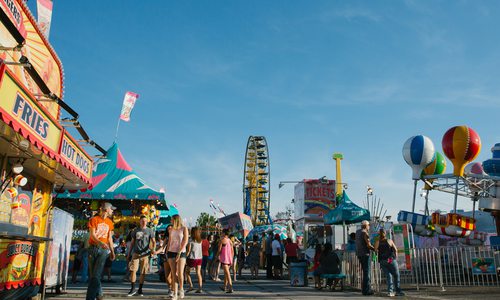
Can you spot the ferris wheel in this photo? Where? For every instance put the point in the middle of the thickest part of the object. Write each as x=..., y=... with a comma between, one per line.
x=256, y=181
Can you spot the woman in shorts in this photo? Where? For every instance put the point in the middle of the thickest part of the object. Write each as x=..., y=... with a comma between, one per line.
x=178, y=239
x=226, y=259
x=195, y=258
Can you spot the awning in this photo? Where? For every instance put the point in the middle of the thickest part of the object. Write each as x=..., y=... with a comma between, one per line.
x=346, y=213
x=114, y=179
x=166, y=216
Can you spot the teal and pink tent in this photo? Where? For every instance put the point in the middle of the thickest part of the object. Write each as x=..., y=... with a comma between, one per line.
x=166, y=217
x=114, y=179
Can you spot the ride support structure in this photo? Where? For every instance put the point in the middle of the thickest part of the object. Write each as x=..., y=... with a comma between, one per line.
x=256, y=181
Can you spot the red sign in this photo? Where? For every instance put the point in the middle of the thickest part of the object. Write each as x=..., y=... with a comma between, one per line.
x=316, y=190
x=319, y=197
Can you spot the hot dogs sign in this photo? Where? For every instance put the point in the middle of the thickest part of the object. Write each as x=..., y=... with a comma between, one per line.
x=77, y=158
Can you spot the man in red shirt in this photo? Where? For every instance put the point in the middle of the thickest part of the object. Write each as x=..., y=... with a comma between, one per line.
x=101, y=246
x=291, y=250
x=205, y=246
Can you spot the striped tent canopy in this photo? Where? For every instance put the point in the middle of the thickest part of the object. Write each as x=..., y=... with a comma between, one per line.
x=166, y=216
x=114, y=179
x=413, y=218
x=275, y=228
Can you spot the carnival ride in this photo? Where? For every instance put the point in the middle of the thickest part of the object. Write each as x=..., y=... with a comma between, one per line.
x=256, y=181
x=461, y=145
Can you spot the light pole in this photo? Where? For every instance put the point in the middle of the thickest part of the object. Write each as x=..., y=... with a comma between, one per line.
x=282, y=183
x=369, y=192
x=425, y=194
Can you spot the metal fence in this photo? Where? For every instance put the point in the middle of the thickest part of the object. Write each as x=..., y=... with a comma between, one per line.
x=438, y=267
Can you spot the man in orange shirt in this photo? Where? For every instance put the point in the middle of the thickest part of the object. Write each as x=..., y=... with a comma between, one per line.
x=101, y=246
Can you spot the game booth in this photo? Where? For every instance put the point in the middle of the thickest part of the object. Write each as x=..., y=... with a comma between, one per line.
x=114, y=181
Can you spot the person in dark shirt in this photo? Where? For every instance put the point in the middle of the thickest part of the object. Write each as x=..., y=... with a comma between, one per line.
x=363, y=248
x=142, y=246
x=269, y=256
x=329, y=263
x=387, y=257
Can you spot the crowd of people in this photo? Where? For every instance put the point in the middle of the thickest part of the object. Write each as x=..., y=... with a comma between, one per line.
x=181, y=252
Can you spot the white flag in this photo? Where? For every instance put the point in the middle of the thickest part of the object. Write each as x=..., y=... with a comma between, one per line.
x=44, y=10
x=128, y=105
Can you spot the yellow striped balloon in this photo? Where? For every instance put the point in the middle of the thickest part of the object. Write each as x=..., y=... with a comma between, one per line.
x=461, y=145
x=436, y=167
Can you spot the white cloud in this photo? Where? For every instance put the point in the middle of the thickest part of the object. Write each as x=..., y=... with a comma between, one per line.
x=193, y=179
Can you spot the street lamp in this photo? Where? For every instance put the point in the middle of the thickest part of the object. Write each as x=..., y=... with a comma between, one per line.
x=369, y=192
x=282, y=183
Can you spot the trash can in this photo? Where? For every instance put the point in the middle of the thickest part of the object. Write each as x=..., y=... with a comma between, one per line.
x=298, y=273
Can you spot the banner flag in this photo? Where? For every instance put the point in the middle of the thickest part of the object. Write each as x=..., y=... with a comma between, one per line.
x=44, y=11
x=128, y=105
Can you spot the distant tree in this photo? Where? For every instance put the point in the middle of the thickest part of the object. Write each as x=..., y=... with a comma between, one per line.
x=206, y=220
x=284, y=215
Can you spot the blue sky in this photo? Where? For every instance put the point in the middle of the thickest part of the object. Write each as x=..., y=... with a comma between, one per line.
x=357, y=77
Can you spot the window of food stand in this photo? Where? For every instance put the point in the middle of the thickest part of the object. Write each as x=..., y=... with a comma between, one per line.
x=16, y=200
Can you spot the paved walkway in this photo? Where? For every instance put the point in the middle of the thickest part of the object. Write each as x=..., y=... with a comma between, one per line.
x=267, y=289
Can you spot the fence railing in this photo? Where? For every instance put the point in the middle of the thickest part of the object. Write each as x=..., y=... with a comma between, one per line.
x=439, y=267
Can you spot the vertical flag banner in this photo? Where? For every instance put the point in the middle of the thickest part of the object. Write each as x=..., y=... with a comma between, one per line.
x=128, y=105
x=44, y=11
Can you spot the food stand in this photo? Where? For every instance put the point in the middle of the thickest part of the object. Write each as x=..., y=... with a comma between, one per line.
x=314, y=198
x=34, y=146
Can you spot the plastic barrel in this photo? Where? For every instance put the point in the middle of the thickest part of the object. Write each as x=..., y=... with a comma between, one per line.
x=298, y=273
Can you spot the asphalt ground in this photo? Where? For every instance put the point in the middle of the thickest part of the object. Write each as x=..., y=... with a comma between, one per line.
x=246, y=288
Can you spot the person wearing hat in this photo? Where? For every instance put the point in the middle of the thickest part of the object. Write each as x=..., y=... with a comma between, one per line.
x=100, y=247
x=387, y=257
x=363, y=248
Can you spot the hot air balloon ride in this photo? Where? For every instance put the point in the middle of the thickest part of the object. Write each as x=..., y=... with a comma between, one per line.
x=453, y=224
x=421, y=222
x=475, y=238
x=436, y=167
x=492, y=165
x=461, y=145
x=491, y=202
x=418, y=152
x=474, y=168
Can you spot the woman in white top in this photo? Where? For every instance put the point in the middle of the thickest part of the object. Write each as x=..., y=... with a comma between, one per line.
x=195, y=258
x=178, y=239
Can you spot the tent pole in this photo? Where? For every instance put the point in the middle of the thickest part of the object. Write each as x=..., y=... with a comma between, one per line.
x=343, y=235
